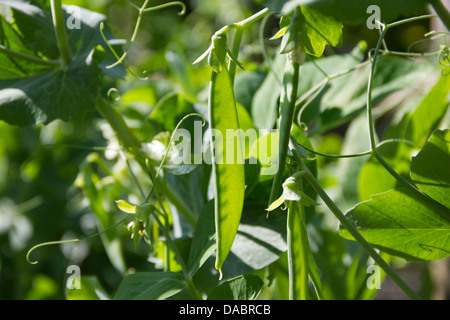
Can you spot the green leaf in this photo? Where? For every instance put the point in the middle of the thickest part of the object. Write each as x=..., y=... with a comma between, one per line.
x=430, y=169
x=415, y=126
x=319, y=30
x=125, y=206
x=149, y=286
x=259, y=241
x=204, y=242
x=228, y=164
x=13, y=67
x=351, y=11
x=246, y=287
x=66, y=95
x=35, y=27
x=398, y=223
x=265, y=101
x=425, y=119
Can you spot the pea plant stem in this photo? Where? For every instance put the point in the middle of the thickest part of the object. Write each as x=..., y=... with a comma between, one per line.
x=442, y=12
x=287, y=116
x=239, y=32
x=132, y=144
x=184, y=270
x=352, y=230
x=60, y=30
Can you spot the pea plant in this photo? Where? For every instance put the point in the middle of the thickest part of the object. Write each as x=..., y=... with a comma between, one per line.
x=237, y=186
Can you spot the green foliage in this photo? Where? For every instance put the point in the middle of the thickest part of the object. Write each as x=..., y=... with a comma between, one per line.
x=149, y=286
x=399, y=224
x=353, y=12
x=246, y=287
x=345, y=127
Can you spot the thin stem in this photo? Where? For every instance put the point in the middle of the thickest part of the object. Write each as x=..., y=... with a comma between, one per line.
x=251, y=20
x=239, y=32
x=131, y=143
x=235, y=51
x=352, y=230
x=361, y=154
x=178, y=256
x=143, y=10
x=133, y=176
x=370, y=119
x=442, y=12
x=287, y=115
x=25, y=57
x=60, y=29
x=413, y=19
x=70, y=241
x=372, y=135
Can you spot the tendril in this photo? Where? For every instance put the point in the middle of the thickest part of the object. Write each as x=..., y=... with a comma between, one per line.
x=142, y=10
x=44, y=244
x=169, y=147
x=113, y=94
x=116, y=55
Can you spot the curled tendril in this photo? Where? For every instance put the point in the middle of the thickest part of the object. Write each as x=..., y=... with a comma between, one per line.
x=44, y=244
x=444, y=60
x=303, y=126
x=170, y=145
x=120, y=59
x=142, y=10
x=113, y=94
x=428, y=35
x=444, y=57
x=166, y=5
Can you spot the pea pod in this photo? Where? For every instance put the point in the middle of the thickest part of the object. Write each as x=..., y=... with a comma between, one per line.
x=229, y=176
x=298, y=251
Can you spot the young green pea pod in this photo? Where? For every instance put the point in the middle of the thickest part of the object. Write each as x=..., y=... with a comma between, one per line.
x=217, y=53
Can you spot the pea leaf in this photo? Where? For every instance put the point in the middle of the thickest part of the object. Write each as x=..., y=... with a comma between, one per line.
x=246, y=287
x=204, y=242
x=310, y=29
x=265, y=100
x=319, y=30
x=67, y=94
x=430, y=169
x=398, y=223
x=149, y=286
x=51, y=95
x=13, y=67
x=351, y=11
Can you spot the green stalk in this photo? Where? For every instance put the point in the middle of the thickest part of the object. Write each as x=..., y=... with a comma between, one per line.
x=287, y=116
x=184, y=270
x=442, y=12
x=352, y=230
x=239, y=32
x=131, y=143
x=60, y=29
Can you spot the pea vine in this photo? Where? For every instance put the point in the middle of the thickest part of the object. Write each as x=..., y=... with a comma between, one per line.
x=80, y=62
